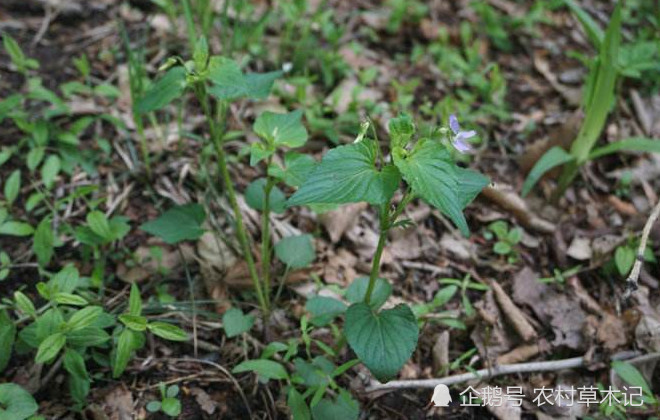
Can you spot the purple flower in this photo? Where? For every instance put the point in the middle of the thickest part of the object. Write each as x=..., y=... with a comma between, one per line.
x=460, y=136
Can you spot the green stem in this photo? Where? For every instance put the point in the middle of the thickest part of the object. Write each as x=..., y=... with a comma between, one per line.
x=407, y=198
x=265, y=236
x=231, y=194
x=375, y=266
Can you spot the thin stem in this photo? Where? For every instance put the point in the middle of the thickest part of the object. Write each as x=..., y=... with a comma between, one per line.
x=375, y=266
x=407, y=198
x=265, y=236
x=231, y=194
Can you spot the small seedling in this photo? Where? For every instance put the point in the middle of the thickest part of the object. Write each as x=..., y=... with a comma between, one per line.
x=507, y=240
x=466, y=284
x=559, y=277
x=169, y=403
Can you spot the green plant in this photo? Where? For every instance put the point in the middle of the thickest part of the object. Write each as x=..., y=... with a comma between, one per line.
x=559, y=276
x=429, y=311
x=507, y=240
x=385, y=339
x=625, y=254
x=169, y=403
x=16, y=403
x=464, y=285
x=597, y=102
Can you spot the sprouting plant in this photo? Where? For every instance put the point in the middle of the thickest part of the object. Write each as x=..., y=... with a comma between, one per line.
x=429, y=311
x=464, y=285
x=598, y=100
x=385, y=339
x=169, y=402
x=22, y=63
x=215, y=81
x=507, y=239
x=71, y=328
x=624, y=256
x=624, y=184
x=559, y=276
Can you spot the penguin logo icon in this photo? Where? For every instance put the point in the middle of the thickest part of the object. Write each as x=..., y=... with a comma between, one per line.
x=441, y=396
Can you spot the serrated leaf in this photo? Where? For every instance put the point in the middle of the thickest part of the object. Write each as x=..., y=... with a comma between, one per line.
x=348, y=174
x=470, y=185
x=402, y=129
x=324, y=309
x=17, y=403
x=383, y=340
x=432, y=175
x=296, y=251
x=230, y=83
x=255, y=196
x=167, y=331
x=163, y=91
x=281, y=129
x=235, y=322
x=357, y=290
x=264, y=368
x=50, y=347
x=550, y=159
x=178, y=224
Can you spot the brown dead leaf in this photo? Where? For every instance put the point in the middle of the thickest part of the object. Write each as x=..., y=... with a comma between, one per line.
x=580, y=249
x=338, y=221
x=572, y=95
x=515, y=316
x=612, y=333
x=118, y=403
x=490, y=336
x=440, y=352
x=561, y=312
x=204, y=400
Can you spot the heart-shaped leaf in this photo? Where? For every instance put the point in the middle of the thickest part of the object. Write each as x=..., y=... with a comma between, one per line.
x=235, y=322
x=358, y=289
x=349, y=174
x=281, y=129
x=178, y=224
x=16, y=403
x=383, y=340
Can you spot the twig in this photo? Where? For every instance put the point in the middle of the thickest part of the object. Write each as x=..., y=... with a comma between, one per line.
x=553, y=365
x=631, y=281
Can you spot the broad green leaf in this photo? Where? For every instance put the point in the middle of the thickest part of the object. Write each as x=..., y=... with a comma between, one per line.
x=178, y=224
x=550, y=159
x=296, y=251
x=135, y=301
x=265, y=368
x=12, y=186
x=297, y=168
x=75, y=364
x=24, y=304
x=153, y=406
x=79, y=388
x=635, y=144
x=402, y=129
x=502, y=248
x=431, y=173
x=296, y=403
x=16, y=229
x=624, y=258
x=7, y=336
x=260, y=151
x=255, y=196
x=357, y=290
x=230, y=83
x=163, y=91
x=324, y=309
x=66, y=280
x=236, y=323
x=470, y=185
x=383, y=340
x=125, y=346
x=167, y=331
x=49, y=170
x=84, y=317
x=348, y=174
x=34, y=157
x=16, y=403
x=98, y=223
x=281, y=129
x=87, y=337
x=171, y=406
x=134, y=322
x=344, y=407
x=50, y=347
